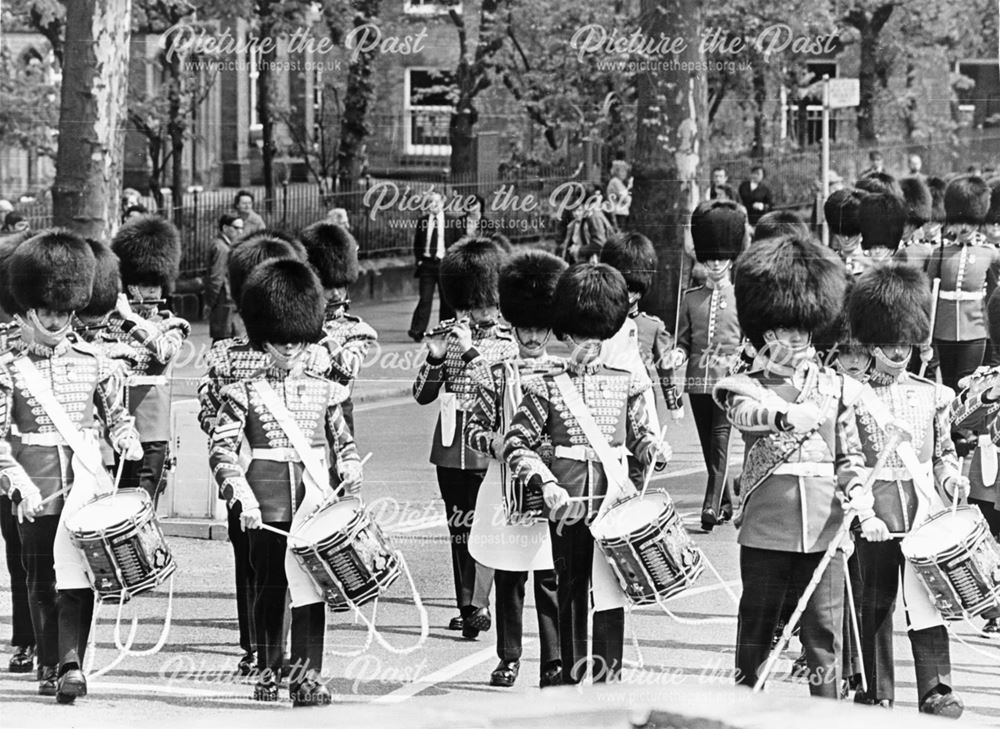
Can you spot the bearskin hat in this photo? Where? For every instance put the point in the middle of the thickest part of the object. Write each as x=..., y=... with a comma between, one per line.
x=253, y=251
x=967, y=200
x=778, y=223
x=841, y=211
x=876, y=182
x=890, y=304
x=634, y=256
x=470, y=272
x=527, y=285
x=790, y=282
x=918, y=200
x=838, y=332
x=8, y=244
x=882, y=217
x=590, y=301
x=937, y=187
x=149, y=249
x=718, y=228
x=276, y=234
x=993, y=216
x=52, y=270
x=107, y=281
x=283, y=302
x=333, y=252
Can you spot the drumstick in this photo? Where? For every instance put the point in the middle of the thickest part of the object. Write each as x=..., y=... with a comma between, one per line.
x=652, y=465
x=954, y=496
x=367, y=458
x=55, y=495
x=282, y=532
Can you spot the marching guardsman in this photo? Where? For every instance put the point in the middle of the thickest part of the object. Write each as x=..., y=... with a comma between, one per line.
x=149, y=252
x=285, y=414
x=591, y=413
x=469, y=280
x=22, y=638
x=968, y=268
x=230, y=361
x=708, y=341
x=841, y=213
x=882, y=220
x=527, y=286
x=333, y=253
x=52, y=391
x=889, y=311
x=921, y=235
x=802, y=453
x=976, y=409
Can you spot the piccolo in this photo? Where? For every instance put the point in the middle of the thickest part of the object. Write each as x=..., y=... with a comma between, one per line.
x=447, y=325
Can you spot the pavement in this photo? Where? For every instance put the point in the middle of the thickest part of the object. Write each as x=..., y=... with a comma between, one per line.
x=679, y=665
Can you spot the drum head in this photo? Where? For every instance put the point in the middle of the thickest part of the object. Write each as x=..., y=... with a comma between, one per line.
x=940, y=533
x=631, y=516
x=331, y=519
x=107, y=511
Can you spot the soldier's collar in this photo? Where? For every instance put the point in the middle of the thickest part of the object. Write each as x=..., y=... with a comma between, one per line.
x=44, y=350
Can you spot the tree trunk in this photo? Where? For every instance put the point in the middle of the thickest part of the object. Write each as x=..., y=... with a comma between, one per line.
x=670, y=134
x=872, y=66
x=176, y=125
x=92, y=114
x=266, y=10
x=461, y=136
x=759, y=118
x=358, y=102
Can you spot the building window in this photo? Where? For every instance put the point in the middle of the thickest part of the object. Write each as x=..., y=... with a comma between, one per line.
x=805, y=117
x=979, y=102
x=429, y=7
x=427, y=111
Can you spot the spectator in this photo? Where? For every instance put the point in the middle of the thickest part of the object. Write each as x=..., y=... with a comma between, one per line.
x=432, y=238
x=587, y=230
x=15, y=223
x=243, y=203
x=130, y=198
x=218, y=306
x=338, y=216
x=134, y=211
x=5, y=209
x=619, y=193
x=916, y=165
x=755, y=195
x=779, y=223
x=720, y=179
x=876, y=163
x=473, y=224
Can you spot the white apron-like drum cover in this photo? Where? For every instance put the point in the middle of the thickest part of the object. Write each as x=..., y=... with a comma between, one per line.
x=345, y=554
x=958, y=561
x=122, y=544
x=648, y=548
x=510, y=547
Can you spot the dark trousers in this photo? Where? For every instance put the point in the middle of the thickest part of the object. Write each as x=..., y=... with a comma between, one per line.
x=147, y=474
x=958, y=359
x=572, y=553
x=510, y=614
x=990, y=513
x=37, y=539
x=768, y=577
x=308, y=633
x=429, y=280
x=270, y=585
x=244, y=579
x=222, y=321
x=881, y=563
x=22, y=634
x=76, y=610
x=459, y=489
x=713, y=433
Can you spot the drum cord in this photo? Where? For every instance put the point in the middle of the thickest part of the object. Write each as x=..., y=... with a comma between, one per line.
x=373, y=631
x=993, y=656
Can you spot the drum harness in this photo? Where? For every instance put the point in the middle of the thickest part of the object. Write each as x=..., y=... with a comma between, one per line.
x=312, y=465
x=74, y=439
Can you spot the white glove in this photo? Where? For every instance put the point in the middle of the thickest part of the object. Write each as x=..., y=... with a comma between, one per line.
x=123, y=307
x=803, y=416
x=496, y=446
x=30, y=506
x=555, y=495
x=677, y=414
x=958, y=487
x=351, y=475
x=131, y=447
x=251, y=519
x=861, y=502
x=678, y=357
x=874, y=529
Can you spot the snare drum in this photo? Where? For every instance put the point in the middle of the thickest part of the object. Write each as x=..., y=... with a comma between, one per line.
x=958, y=561
x=648, y=548
x=347, y=556
x=122, y=544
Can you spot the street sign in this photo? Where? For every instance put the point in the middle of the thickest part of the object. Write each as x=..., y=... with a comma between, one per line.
x=844, y=92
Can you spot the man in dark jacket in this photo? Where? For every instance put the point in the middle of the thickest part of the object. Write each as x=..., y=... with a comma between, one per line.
x=435, y=232
x=756, y=197
x=218, y=303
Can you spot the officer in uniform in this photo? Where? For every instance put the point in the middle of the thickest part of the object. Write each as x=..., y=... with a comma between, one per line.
x=802, y=453
x=149, y=251
x=52, y=392
x=841, y=213
x=921, y=236
x=882, y=219
x=527, y=285
x=288, y=417
x=889, y=311
x=589, y=407
x=469, y=280
x=333, y=254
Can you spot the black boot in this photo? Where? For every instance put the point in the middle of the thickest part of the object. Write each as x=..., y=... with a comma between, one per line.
x=310, y=692
x=47, y=680
x=72, y=683
x=505, y=674
x=23, y=660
